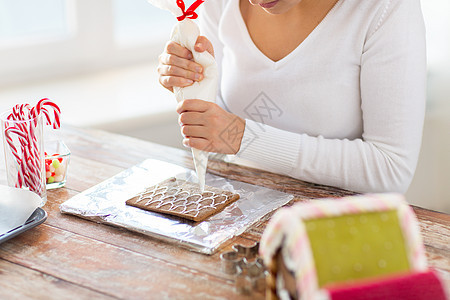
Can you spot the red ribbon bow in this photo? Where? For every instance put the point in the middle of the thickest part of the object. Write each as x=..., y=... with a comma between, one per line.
x=190, y=12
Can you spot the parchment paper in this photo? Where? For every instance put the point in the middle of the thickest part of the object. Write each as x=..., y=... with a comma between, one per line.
x=16, y=206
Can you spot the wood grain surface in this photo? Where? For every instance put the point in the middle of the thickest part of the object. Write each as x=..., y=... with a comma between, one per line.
x=71, y=258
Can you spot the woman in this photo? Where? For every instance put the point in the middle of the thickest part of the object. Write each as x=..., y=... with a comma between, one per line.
x=326, y=91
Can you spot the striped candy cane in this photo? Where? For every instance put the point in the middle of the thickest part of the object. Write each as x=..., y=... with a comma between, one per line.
x=25, y=146
x=9, y=140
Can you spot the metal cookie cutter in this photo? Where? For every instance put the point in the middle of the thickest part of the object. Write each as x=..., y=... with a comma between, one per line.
x=247, y=266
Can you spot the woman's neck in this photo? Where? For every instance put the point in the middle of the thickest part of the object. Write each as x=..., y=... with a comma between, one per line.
x=277, y=35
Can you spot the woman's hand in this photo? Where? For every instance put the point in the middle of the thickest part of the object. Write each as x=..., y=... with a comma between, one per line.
x=207, y=126
x=176, y=64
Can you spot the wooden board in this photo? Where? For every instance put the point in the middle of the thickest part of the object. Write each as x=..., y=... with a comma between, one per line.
x=69, y=257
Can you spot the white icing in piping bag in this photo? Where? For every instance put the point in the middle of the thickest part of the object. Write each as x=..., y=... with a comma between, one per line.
x=185, y=33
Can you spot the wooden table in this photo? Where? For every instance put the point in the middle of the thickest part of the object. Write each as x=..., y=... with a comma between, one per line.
x=71, y=258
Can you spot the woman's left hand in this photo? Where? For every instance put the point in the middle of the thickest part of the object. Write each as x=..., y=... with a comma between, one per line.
x=207, y=126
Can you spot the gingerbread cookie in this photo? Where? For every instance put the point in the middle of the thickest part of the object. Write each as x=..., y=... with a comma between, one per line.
x=183, y=199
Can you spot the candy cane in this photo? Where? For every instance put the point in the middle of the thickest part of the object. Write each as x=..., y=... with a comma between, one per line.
x=28, y=158
x=34, y=145
x=33, y=173
x=42, y=105
x=18, y=112
x=32, y=159
x=20, y=179
x=9, y=140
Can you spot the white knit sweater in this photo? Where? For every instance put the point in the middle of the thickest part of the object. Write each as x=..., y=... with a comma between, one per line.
x=345, y=108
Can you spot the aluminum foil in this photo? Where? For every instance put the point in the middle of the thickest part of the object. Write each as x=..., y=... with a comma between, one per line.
x=105, y=203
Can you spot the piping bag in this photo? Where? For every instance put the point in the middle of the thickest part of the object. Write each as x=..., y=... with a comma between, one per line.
x=185, y=33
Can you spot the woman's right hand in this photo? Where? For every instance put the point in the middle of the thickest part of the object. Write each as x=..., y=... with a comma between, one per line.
x=176, y=64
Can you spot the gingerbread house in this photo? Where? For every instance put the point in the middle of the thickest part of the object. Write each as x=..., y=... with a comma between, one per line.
x=358, y=247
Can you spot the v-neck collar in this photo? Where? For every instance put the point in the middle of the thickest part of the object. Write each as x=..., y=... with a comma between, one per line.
x=258, y=53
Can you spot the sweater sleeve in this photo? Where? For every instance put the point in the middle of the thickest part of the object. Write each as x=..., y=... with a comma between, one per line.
x=393, y=93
